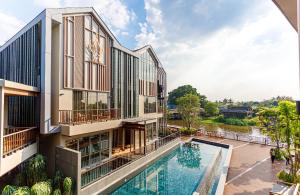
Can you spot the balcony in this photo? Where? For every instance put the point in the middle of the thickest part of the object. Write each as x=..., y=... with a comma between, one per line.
x=75, y=117
x=17, y=139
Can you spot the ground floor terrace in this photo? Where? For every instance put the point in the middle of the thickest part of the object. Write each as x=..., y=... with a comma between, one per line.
x=250, y=170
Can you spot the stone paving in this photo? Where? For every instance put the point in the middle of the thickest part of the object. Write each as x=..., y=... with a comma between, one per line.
x=251, y=171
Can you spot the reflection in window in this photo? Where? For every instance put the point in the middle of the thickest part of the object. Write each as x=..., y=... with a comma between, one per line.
x=149, y=104
x=94, y=149
x=87, y=100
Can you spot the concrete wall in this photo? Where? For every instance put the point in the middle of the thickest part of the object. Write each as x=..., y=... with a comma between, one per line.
x=47, y=145
x=109, y=183
x=13, y=160
x=69, y=162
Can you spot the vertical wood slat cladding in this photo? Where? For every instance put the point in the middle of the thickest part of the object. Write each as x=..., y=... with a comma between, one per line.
x=102, y=71
x=20, y=61
x=79, y=52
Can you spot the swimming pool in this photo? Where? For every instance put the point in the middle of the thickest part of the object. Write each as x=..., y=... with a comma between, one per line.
x=179, y=172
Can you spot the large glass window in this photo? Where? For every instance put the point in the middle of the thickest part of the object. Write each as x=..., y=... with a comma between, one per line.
x=89, y=100
x=147, y=75
x=94, y=149
x=149, y=104
x=95, y=50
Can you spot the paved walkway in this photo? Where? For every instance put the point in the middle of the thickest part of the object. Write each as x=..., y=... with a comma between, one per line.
x=251, y=171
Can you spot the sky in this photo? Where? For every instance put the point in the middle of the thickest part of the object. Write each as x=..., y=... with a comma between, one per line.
x=239, y=49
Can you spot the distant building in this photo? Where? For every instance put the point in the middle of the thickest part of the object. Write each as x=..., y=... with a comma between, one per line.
x=237, y=112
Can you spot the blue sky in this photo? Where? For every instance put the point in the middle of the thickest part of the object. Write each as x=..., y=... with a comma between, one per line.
x=240, y=49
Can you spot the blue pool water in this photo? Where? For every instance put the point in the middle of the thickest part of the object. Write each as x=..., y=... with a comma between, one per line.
x=179, y=172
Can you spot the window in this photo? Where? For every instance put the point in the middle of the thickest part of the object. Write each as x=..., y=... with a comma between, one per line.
x=94, y=149
x=94, y=56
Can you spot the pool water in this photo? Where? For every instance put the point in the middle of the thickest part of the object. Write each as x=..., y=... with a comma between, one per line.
x=179, y=172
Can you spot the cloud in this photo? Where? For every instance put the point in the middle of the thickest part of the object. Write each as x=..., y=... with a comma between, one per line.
x=9, y=26
x=48, y=3
x=252, y=59
x=114, y=12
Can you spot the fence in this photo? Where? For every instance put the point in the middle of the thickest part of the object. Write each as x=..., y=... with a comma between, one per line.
x=110, y=166
x=17, y=139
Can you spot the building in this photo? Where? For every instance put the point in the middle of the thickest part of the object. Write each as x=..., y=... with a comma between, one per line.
x=237, y=112
x=71, y=91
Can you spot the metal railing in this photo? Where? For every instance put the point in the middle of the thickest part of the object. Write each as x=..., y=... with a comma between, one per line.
x=265, y=140
x=18, y=138
x=91, y=175
x=84, y=116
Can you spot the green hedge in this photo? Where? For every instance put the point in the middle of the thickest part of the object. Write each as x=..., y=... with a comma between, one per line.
x=186, y=131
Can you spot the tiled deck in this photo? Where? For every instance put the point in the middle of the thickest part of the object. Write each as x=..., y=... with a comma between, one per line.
x=251, y=170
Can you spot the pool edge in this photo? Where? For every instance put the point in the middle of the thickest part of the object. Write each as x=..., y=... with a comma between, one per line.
x=224, y=172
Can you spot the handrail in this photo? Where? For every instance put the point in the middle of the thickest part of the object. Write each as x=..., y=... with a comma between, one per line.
x=88, y=115
x=106, y=168
x=18, y=140
x=18, y=132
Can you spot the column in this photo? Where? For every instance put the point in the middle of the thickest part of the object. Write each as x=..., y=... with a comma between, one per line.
x=2, y=99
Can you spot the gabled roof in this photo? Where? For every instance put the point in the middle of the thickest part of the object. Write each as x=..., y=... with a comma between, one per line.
x=289, y=10
x=149, y=48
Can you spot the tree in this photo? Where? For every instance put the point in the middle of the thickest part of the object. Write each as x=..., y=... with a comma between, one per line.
x=180, y=92
x=36, y=170
x=188, y=107
x=269, y=122
x=287, y=111
x=211, y=109
x=203, y=101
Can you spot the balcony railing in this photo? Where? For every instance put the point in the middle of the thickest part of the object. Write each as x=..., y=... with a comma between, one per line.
x=99, y=171
x=18, y=138
x=85, y=116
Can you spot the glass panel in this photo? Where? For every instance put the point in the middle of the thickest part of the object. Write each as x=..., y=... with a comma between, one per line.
x=84, y=149
x=94, y=72
x=70, y=38
x=79, y=100
x=95, y=149
x=92, y=100
x=87, y=22
x=86, y=75
x=70, y=72
x=102, y=100
x=95, y=26
x=102, y=50
x=87, y=43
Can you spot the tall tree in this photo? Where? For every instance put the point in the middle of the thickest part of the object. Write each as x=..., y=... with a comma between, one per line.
x=269, y=122
x=188, y=107
x=180, y=92
x=211, y=109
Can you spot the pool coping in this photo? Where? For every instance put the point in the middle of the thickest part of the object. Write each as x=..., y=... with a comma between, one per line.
x=224, y=172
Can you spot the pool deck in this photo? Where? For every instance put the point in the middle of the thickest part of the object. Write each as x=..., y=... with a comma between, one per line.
x=251, y=171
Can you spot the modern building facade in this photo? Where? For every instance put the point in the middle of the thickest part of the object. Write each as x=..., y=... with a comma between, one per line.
x=68, y=84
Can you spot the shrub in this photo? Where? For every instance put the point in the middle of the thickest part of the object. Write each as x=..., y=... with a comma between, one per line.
x=22, y=191
x=67, y=185
x=36, y=169
x=57, y=192
x=8, y=190
x=41, y=188
x=58, y=179
x=286, y=177
x=186, y=131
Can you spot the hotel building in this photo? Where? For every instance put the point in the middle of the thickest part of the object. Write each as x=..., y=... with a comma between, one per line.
x=70, y=91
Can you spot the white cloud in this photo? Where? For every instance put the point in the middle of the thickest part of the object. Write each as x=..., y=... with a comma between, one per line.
x=114, y=12
x=9, y=26
x=48, y=3
x=254, y=61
